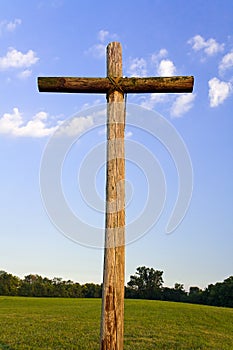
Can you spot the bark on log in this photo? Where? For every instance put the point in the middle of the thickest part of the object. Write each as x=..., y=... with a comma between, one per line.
x=112, y=321
x=105, y=85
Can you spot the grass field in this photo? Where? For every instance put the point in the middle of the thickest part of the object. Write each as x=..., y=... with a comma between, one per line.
x=54, y=324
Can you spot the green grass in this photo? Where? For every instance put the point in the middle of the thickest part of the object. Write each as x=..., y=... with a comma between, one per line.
x=55, y=324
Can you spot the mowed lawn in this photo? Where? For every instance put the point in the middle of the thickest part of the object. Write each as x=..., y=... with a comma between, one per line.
x=54, y=324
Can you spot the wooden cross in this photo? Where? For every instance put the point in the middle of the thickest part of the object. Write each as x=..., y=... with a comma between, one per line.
x=115, y=86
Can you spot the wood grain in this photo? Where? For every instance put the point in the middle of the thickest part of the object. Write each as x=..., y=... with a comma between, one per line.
x=128, y=85
x=112, y=321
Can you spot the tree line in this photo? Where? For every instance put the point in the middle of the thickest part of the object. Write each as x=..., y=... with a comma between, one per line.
x=38, y=286
x=146, y=283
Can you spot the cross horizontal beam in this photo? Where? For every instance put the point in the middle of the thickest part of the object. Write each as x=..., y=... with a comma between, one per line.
x=174, y=84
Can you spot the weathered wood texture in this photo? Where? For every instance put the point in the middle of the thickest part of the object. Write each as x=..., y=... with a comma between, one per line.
x=104, y=85
x=112, y=320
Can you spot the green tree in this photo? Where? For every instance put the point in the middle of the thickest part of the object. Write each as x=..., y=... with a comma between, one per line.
x=195, y=295
x=220, y=294
x=91, y=290
x=146, y=283
x=179, y=292
x=9, y=284
x=227, y=292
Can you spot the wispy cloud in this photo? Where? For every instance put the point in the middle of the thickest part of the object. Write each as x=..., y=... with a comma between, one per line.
x=137, y=67
x=182, y=105
x=209, y=47
x=54, y=4
x=226, y=62
x=156, y=57
x=75, y=126
x=92, y=104
x=98, y=50
x=104, y=35
x=17, y=59
x=153, y=99
x=9, y=26
x=219, y=91
x=25, y=74
x=128, y=134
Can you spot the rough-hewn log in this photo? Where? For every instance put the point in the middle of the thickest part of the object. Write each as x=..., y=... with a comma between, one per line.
x=104, y=85
x=112, y=320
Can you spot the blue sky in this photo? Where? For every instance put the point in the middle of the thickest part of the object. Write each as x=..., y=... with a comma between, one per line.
x=159, y=38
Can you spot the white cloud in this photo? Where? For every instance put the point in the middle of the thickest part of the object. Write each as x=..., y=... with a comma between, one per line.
x=40, y=126
x=75, y=126
x=226, y=62
x=94, y=103
x=17, y=59
x=9, y=26
x=213, y=47
x=128, y=134
x=218, y=91
x=25, y=74
x=102, y=35
x=137, y=67
x=98, y=50
x=210, y=46
x=166, y=68
x=182, y=104
x=158, y=56
x=13, y=124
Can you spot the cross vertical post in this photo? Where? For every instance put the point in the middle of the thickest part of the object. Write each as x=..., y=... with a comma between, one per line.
x=112, y=324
